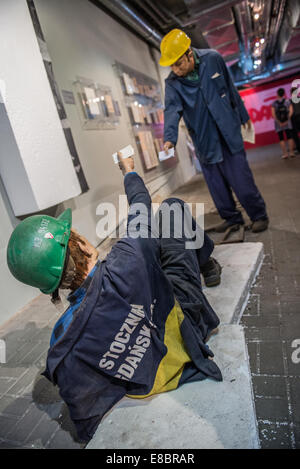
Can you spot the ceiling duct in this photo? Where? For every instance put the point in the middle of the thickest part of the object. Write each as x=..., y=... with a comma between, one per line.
x=256, y=38
x=277, y=14
x=288, y=30
x=122, y=10
x=243, y=26
x=197, y=13
x=152, y=13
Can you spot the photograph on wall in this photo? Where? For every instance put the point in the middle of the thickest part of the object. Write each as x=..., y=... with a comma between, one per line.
x=143, y=99
x=98, y=110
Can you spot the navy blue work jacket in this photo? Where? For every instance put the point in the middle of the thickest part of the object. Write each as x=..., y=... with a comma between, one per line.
x=208, y=106
x=114, y=343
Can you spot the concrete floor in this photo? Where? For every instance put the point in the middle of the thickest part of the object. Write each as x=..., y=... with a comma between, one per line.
x=32, y=414
x=272, y=316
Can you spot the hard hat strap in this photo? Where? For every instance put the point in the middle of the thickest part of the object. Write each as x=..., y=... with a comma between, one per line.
x=56, y=300
x=69, y=271
x=68, y=275
x=55, y=296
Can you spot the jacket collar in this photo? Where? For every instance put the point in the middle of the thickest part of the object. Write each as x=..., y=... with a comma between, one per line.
x=78, y=294
x=200, y=53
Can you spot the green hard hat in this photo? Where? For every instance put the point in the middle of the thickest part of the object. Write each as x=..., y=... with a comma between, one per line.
x=37, y=249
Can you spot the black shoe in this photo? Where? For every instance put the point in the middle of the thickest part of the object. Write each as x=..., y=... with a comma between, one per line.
x=222, y=227
x=211, y=272
x=260, y=225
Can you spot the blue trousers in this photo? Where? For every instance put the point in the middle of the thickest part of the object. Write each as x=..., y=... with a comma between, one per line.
x=183, y=268
x=234, y=173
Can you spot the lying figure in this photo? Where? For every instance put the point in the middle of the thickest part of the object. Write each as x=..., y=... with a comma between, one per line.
x=138, y=321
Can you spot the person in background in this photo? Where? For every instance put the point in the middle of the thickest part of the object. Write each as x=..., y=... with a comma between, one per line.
x=282, y=111
x=200, y=89
x=295, y=119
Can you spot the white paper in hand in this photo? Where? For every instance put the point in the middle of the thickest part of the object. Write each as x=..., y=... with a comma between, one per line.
x=163, y=156
x=248, y=135
x=126, y=153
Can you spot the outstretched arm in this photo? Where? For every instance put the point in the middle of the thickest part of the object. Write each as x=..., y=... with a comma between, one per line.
x=172, y=115
x=135, y=188
x=141, y=222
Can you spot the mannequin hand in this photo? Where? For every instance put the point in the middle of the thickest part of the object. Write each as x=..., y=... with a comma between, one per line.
x=247, y=125
x=167, y=146
x=125, y=164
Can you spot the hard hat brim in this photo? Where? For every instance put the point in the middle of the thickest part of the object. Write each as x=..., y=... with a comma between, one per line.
x=66, y=216
x=167, y=63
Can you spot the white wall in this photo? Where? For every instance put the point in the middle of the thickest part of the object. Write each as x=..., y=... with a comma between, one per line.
x=43, y=152
x=84, y=41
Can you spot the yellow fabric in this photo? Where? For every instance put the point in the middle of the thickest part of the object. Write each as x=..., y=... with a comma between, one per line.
x=173, y=46
x=172, y=364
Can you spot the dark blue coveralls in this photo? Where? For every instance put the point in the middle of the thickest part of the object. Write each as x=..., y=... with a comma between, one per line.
x=213, y=113
x=83, y=360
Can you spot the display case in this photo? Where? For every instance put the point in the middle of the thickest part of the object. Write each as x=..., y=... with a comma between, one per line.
x=142, y=97
x=97, y=107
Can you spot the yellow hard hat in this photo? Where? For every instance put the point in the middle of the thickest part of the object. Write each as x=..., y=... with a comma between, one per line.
x=173, y=46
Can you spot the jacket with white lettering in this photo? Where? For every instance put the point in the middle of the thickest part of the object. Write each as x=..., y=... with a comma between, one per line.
x=127, y=330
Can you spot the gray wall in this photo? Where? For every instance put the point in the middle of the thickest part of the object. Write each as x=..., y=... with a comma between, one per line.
x=14, y=295
x=83, y=41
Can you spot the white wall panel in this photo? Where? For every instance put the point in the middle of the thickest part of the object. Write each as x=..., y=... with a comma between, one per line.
x=44, y=161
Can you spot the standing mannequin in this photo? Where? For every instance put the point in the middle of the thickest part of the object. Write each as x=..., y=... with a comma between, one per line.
x=200, y=89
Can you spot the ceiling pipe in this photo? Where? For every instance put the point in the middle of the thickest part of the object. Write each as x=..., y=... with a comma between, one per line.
x=277, y=70
x=128, y=15
x=172, y=16
x=167, y=20
x=244, y=29
x=144, y=5
x=286, y=31
x=252, y=79
x=278, y=12
x=294, y=63
x=197, y=15
x=267, y=14
x=217, y=28
x=223, y=44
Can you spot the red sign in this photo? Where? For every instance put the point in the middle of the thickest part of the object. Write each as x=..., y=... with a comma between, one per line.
x=258, y=101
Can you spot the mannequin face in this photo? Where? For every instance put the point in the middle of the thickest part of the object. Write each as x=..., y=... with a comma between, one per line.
x=184, y=65
x=84, y=257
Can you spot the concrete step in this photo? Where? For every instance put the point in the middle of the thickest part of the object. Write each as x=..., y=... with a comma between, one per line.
x=240, y=264
x=205, y=414
x=201, y=415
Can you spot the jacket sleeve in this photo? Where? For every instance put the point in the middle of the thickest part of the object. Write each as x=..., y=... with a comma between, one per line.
x=141, y=222
x=172, y=114
x=234, y=94
x=136, y=190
